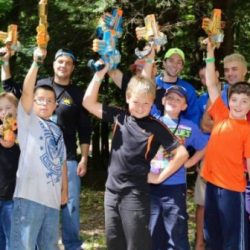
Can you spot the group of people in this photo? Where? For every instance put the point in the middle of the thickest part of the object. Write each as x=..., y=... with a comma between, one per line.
x=164, y=130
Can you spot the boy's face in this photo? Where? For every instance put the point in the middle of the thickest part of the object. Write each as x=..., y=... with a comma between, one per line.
x=173, y=65
x=63, y=67
x=239, y=105
x=44, y=103
x=234, y=71
x=6, y=107
x=139, y=104
x=174, y=104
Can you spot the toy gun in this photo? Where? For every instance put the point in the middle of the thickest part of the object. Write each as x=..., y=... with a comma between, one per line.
x=10, y=39
x=9, y=128
x=108, y=32
x=151, y=35
x=213, y=28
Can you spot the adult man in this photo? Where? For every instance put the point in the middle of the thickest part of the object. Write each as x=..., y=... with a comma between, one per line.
x=73, y=120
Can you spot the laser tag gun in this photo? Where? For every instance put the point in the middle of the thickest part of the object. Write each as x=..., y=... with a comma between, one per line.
x=150, y=35
x=10, y=39
x=213, y=28
x=108, y=32
x=9, y=128
x=42, y=37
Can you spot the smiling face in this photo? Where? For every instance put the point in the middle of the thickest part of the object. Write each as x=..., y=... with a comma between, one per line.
x=234, y=71
x=174, y=104
x=63, y=68
x=44, y=103
x=239, y=105
x=173, y=65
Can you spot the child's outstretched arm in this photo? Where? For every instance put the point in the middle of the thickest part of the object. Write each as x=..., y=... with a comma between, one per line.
x=211, y=77
x=64, y=193
x=180, y=156
x=90, y=99
x=27, y=97
x=198, y=155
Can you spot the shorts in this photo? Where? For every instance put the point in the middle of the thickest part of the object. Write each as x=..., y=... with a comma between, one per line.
x=199, y=189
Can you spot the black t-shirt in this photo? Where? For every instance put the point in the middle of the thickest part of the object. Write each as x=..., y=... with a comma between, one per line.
x=8, y=166
x=135, y=142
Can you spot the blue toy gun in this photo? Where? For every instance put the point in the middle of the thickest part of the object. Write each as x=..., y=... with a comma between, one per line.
x=108, y=32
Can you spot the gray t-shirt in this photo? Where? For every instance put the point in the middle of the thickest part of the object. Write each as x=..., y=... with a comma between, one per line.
x=41, y=160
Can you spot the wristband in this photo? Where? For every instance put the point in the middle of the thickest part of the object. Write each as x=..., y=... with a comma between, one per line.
x=97, y=79
x=6, y=63
x=150, y=61
x=35, y=65
x=209, y=60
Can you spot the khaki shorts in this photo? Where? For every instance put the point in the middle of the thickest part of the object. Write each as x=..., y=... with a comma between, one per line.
x=199, y=190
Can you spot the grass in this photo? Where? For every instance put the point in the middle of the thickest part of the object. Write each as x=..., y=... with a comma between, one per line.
x=92, y=210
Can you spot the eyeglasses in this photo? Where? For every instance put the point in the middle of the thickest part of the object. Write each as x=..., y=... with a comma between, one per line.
x=44, y=101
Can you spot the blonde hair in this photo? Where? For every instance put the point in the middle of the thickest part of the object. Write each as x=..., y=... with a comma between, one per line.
x=10, y=97
x=141, y=85
x=235, y=57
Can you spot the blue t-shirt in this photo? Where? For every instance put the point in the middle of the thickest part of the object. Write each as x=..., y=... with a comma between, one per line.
x=190, y=135
x=191, y=112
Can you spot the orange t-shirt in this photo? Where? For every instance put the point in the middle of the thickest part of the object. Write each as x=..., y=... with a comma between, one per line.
x=228, y=145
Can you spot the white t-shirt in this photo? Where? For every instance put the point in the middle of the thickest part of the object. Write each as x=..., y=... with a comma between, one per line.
x=42, y=155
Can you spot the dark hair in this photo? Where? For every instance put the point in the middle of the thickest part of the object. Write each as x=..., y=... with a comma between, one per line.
x=65, y=52
x=45, y=87
x=239, y=88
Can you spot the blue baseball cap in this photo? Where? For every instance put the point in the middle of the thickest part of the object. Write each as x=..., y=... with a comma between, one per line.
x=65, y=52
x=178, y=90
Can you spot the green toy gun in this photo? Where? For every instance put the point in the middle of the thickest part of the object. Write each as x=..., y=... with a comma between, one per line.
x=151, y=35
x=213, y=28
x=10, y=39
x=108, y=32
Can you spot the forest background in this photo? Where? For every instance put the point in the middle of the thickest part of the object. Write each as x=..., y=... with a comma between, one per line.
x=72, y=24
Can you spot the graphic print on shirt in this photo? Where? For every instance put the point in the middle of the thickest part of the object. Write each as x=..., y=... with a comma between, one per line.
x=52, y=157
x=162, y=157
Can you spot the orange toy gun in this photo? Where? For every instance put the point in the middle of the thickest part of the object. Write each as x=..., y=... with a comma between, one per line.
x=151, y=34
x=42, y=37
x=9, y=128
x=10, y=39
x=213, y=28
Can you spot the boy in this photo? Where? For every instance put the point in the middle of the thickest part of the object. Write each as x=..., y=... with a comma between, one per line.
x=136, y=138
x=9, y=155
x=41, y=185
x=168, y=200
x=223, y=166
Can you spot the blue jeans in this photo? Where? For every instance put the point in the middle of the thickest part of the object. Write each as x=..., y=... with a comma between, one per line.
x=6, y=208
x=225, y=219
x=33, y=224
x=168, y=218
x=126, y=220
x=70, y=212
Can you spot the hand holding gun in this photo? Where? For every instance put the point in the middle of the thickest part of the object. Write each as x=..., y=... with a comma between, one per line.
x=108, y=32
x=10, y=40
x=42, y=37
x=213, y=28
x=151, y=35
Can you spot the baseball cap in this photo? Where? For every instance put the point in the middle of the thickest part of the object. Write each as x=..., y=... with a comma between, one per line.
x=178, y=90
x=173, y=51
x=65, y=52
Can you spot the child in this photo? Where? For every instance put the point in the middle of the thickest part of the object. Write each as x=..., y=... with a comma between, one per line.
x=223, y=166
x=41, y=185
x=136, y=138
x=168, y=200
x=9, y=155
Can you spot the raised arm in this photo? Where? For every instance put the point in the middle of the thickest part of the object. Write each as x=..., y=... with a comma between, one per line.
x=90, y=99
x=116, y=75
x=30, y=80
x=211, y=77
x=5, y=69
